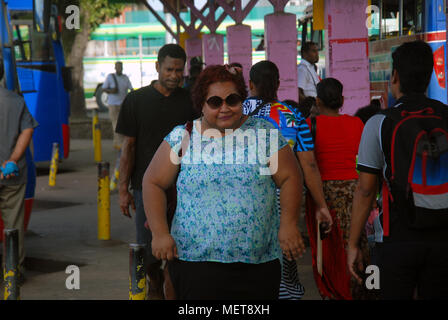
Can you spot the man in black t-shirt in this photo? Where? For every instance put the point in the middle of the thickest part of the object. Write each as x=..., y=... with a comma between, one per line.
x=147, y=115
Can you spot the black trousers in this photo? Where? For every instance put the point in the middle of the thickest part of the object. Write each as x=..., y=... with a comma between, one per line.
x=406, y=266
x=225, y=281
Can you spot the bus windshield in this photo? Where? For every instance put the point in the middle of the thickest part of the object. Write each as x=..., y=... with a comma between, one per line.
x=29, y=44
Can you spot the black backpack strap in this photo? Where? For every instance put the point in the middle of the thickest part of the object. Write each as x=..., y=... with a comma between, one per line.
x=116, y=82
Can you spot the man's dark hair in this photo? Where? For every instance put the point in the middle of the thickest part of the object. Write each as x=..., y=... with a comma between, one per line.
x=365, y=113
x=329, y=90
x=306, y=47
x=414, y=63
x=266, y=78
x=171, y=50
x=2, y=69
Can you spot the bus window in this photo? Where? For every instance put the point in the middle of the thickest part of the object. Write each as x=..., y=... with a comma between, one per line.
x=374, y=25
x=390, y=21
x=412, y=17
x=22, y=49
x=41, y=46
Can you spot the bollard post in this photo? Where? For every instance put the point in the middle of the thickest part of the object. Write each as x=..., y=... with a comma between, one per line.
x=96, y=135
x=116, y=175
x=103, y=201
x=54, y=165
x=137, y=272
x=10, y=271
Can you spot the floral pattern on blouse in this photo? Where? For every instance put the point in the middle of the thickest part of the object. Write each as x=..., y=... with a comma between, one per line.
x=226, y=210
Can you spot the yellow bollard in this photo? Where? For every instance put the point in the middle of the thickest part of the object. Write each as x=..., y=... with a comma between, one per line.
x=54, y=165
x=103, y=201
x=137, y=272
x=11, y=258
x=96, y=135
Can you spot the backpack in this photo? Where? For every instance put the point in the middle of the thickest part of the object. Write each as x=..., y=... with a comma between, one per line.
x=417, y=166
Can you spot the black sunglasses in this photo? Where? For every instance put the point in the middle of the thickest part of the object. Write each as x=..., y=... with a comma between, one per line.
x=216, y=102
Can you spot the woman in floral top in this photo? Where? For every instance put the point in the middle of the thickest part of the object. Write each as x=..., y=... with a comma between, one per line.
x=227, y=237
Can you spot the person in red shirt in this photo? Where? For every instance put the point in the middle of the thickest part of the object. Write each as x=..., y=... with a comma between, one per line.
x=336, y=138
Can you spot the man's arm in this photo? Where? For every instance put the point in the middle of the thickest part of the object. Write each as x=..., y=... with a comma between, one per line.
x=23, y=142
x=363, y=198
x=313, y=181
x=127, y=162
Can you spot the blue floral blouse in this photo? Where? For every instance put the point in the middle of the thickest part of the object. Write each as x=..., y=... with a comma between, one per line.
x=226, y=206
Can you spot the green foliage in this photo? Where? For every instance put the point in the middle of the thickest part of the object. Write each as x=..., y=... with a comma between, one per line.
x=95, y=11
x=100, y=11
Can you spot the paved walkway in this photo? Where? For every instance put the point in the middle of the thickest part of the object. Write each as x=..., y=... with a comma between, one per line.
x=63, y=232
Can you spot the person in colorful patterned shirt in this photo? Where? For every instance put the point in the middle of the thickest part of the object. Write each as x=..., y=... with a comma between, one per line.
x=264, y=83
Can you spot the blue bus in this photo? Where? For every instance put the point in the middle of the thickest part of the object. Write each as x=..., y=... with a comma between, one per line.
x=35, y=68
x=31, y=50
x=394, y=22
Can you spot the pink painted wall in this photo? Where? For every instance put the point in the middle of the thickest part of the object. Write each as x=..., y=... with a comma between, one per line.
x=213, y=48
x=347, y=52
x=281, y=48
x=239, y=47
x=193, y=48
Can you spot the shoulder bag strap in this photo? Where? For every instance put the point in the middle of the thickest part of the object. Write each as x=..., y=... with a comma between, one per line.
x=116, y=82
x=313, y=129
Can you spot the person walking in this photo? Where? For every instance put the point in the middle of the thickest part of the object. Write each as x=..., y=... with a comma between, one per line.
x=117, y=86
x=227, y=236
x=336, y=139
x=264, y=82
x=147, y=115
x=16, y=130
x=407, y=146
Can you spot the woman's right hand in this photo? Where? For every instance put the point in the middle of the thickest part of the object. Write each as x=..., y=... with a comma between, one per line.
x=323, y=215
x=164, y=247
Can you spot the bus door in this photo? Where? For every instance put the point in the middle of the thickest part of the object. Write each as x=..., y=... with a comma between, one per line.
x=39, y=82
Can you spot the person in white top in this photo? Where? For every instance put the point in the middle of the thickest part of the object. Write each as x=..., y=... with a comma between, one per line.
x=116, y=85
x=307, y=70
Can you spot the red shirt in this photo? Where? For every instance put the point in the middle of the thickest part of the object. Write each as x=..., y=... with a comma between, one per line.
x=336, y=146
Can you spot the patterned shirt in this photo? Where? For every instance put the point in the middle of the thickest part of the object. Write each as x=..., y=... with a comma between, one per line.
x=291, y=123
x=226, y=209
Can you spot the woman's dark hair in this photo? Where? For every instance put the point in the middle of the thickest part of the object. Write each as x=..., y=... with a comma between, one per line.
x=266, y=78
x=414, y=63
x=291, y=103
x=305, y=106
x=236, y=64
x=365, y=113
x=213, y=74
x=329, y=90
x=171, y=50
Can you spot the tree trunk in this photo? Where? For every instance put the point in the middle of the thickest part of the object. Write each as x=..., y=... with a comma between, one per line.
x=75, y=60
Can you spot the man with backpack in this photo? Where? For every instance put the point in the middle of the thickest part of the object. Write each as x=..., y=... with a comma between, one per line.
x=116, y=85
x=407, y=148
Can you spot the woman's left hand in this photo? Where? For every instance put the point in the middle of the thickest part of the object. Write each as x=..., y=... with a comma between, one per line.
x=291, y=241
